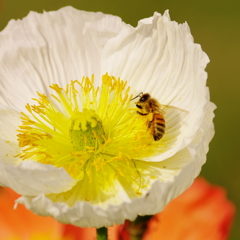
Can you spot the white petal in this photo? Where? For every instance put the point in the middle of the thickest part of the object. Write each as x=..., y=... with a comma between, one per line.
x=161, y=58
x=32, y=178
x=54, y=47
x=198, y=149
x=9, y=121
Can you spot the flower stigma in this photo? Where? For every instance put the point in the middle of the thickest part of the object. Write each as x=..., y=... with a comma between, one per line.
x=95, y=134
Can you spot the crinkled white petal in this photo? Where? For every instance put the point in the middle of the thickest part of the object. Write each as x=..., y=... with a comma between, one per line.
x=32, y=178
x=86, y=215
x=9, y=120
x=53, y=47
x=165, y=192
x=161, y=58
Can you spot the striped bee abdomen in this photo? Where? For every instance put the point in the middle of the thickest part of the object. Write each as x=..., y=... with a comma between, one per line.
x=157, y=126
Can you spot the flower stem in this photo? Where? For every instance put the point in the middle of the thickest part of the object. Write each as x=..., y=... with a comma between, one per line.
x=102, y=233
x=135, y=230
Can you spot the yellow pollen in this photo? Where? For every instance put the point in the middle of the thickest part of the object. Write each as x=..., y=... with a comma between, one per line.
x=56, y=88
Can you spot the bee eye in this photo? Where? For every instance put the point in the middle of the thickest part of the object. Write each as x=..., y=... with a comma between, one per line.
x=143, y=99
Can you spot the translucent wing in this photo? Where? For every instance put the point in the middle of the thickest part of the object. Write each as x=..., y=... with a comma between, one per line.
x=165, y=108
x=176, y=121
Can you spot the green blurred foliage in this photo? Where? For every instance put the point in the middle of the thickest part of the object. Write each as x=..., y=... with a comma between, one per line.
x=216, y=26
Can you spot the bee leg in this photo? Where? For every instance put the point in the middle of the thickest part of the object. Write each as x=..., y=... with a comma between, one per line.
x=142, y=113
x=149, y=124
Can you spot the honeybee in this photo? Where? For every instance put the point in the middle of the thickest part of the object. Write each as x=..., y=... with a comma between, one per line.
x=151, y=107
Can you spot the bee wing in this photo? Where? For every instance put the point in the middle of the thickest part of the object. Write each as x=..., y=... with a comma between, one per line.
x=165, y=108
x=176, y=118
x=171, y=112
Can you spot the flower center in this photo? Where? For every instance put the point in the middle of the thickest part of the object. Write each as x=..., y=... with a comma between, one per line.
x=88, y=130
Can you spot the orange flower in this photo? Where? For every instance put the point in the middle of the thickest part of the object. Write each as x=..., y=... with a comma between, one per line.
x=21, y=224
x=201, y=212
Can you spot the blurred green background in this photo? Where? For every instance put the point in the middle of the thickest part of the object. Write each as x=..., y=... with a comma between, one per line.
x=216, y=26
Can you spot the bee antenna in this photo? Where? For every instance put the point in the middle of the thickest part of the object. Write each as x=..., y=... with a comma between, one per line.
x=139, y=95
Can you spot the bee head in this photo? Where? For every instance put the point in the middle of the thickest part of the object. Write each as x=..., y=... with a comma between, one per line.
x=144, y=97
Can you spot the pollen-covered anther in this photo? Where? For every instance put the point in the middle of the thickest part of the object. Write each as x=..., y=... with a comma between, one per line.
x=56, y=88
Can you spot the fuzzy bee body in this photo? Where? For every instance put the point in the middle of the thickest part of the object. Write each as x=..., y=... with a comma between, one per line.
x=151, y=107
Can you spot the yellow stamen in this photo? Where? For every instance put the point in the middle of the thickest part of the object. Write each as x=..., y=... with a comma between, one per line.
x=92, y=132
x=56, y=98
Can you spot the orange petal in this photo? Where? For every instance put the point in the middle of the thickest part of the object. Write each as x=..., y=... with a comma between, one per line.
x=201, y=212
x=21, y=222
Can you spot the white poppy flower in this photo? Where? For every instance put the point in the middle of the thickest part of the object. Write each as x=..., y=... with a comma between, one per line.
x=79, y=151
